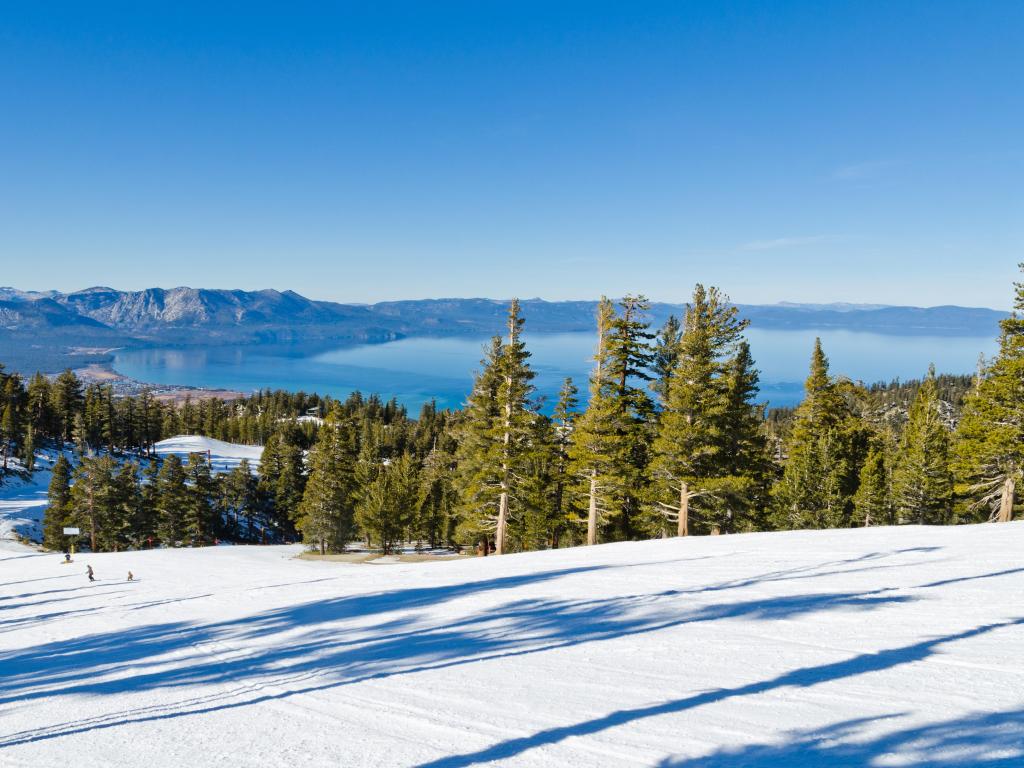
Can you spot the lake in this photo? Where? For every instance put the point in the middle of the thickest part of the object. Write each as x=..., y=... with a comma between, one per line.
x=418, y=370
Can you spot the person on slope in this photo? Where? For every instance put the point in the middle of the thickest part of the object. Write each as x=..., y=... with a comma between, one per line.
x=88, y=572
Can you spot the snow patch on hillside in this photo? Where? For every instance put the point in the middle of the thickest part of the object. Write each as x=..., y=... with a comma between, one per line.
x=871, y=647
x=22, y=503
x=223, y=456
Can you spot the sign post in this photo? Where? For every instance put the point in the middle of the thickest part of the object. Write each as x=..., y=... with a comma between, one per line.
x=72, y=532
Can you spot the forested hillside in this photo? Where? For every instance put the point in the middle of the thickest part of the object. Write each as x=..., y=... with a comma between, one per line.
x=672, y=441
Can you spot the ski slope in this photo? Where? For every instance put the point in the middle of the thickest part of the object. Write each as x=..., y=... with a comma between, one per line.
x=878, y=647
x=223, y=456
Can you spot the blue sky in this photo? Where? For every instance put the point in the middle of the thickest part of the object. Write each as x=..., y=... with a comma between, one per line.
x=863, y=151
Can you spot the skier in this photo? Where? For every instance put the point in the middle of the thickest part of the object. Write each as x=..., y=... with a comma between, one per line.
x=88, y=571
x=130, y=577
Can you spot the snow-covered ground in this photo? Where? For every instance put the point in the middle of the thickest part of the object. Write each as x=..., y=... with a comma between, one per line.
x=22, y=503
x=223, y=456
x=878, y=647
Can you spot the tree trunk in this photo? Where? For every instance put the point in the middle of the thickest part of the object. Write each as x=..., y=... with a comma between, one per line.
x=485, y=546
x=323, y=546
x=684, y=510
x=592, y=516
x=92, y=521
x=499, y=533
x=1006, y=502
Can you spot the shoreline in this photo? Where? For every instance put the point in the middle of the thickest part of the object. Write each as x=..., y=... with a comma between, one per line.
x=104, y=373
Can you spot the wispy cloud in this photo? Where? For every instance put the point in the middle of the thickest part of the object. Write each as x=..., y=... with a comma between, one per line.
x=787, y=242
x=861, y=171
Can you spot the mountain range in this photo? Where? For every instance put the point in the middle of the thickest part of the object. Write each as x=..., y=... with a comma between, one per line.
x=54, y=329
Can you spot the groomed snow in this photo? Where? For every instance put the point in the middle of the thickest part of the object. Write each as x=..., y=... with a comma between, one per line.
x=869, y=647
x=223, y=456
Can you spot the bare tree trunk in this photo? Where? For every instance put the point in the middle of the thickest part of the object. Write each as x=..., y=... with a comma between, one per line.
x=592, y=516
x=684, y=510
x=1006, y=502
x=499, y=534
x=92, y=522
x=323, y=546
x=485, y=546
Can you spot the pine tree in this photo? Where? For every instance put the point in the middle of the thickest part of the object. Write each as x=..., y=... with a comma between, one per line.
x=824, y=452
x=591, y=453
x=94, y=502
x=326, y=515
x=59, y=507
x=148, y=515
x=749, y=465
x=240, y=498
x=283, y=478
x=563, y=425
x=496, y=438
x=200, y=519
x=922, y=483
x=387, y=505
x=872, y=502
x=709, y=444
x=989, y=441
x=666, y=356
x=67, y=402
x=40, y=412
x=120, y=526
x=438, y=498
x=628, y=360
x=172, y=501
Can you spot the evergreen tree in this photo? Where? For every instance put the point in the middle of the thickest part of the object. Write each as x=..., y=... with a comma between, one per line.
x=120, y=529
x=629, y=358
x=989, y=441
x=872, y=502
x=563, y=426
x=68, y=401
x=438, y=498
x=283, y=477
x=59, y=507
x=94, y=502
x=709, y=445
x=200, y=519
x=824, y=452
x=922, y=483
x=326, y=515
x=592, y=452
x=497, y=437
x=666, y=356
x=387, y=505
x=172, y=501
x=148, y=515
x=240, y=497
x=40, y=412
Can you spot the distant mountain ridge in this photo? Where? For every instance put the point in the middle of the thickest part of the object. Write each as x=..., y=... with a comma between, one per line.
x=54, y=323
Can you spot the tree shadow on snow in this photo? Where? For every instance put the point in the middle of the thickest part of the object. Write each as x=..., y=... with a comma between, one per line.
x=800, y=678
x=994, y=740
x=328, y=643
x=329, y=655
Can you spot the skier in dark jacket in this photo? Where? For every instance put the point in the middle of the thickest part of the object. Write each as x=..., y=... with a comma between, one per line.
x=88, y=571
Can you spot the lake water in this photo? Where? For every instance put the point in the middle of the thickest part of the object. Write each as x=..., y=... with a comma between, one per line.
x=419, y=370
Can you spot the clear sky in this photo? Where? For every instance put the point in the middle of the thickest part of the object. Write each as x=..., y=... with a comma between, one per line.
x=818, y=151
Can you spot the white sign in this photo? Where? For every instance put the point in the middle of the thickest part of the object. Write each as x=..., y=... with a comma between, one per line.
x=71, y=531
